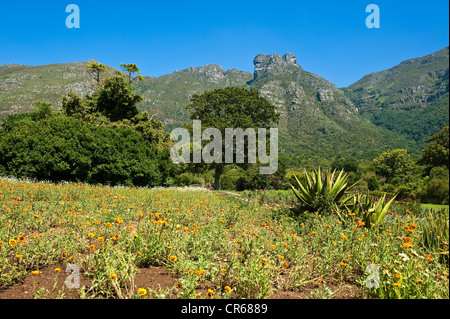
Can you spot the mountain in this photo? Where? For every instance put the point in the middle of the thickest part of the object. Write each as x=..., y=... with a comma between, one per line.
x=411, y=98
x=167, y=96
x=21, y=85
x=318, y=119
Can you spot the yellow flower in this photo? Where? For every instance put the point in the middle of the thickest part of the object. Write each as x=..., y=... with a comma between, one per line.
x=142, y=291
x=108, y=225
x=12, y=242
x=100, y=239
x=398, y=276
x=19, y=256
x=34, y=273
x=420, y=282
x=210, y=293
x=172, y=258
x=57, y=269
x=396, y=284
x=91, y=247
x=343, y=236
x=90, y=235
x=113, y=276
x=227, y=288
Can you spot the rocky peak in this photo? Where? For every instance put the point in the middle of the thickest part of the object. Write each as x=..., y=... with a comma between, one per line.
x=267, y=65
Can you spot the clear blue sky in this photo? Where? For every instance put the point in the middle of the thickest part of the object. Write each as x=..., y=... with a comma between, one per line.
x=328, y=38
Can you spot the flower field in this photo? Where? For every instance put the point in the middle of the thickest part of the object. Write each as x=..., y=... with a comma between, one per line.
x=194, y=243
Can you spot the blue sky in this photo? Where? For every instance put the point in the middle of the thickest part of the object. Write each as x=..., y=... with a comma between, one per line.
x=328, y=38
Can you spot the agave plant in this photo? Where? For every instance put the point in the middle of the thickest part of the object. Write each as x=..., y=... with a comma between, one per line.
x=371, y=213
x=322, y=190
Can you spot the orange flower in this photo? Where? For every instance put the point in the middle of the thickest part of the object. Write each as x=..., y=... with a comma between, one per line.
x=343, y=236
x=227, y=288
x=34, y=273
x=396, y=284
x=113, y=276
x=100, y=239
x=172, y=258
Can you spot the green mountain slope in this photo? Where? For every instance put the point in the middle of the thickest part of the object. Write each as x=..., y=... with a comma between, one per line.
x=20, y=85
x=166, y=97
x=317, y=118
x=410, y=98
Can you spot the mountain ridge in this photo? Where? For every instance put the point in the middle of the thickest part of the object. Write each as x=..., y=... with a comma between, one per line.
x=317, y=117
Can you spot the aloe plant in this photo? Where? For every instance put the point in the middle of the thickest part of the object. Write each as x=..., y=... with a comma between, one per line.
x=371, y=213
x=322, y=190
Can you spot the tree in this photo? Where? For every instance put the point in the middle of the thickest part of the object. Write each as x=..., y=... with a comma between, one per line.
x=231, y=108
x=132, y=69
x=394, y=163
x=437, y=153
x=75, y=106
x=97, y=69
x=116, y=99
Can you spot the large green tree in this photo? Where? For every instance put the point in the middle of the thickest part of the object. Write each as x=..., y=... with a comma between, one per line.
x=437, y=152
x=394, y=163
x=231, y=108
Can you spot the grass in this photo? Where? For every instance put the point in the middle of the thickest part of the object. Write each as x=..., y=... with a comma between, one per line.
x=435, y=206
x=232, y=248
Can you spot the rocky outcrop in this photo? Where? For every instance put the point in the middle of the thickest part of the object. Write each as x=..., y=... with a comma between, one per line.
x=267, y=65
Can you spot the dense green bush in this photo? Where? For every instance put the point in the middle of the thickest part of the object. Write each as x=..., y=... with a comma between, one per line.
x=63, y=148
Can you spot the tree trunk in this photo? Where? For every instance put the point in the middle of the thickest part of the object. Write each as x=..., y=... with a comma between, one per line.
x=217, y=172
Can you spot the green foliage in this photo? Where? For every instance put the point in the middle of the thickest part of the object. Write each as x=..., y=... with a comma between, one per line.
x=40, y=112
x=395, y=163
x=63, y=148
x=373, y=183
x=371, y=213
x=322, y=191
x=132, y=69
x=435, y=232
x=116, y=98
x=232, y=108
x=97, y=69
x=437, y=153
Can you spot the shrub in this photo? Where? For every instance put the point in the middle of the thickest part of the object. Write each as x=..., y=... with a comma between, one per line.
x=322, y=191
x=63, y=148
